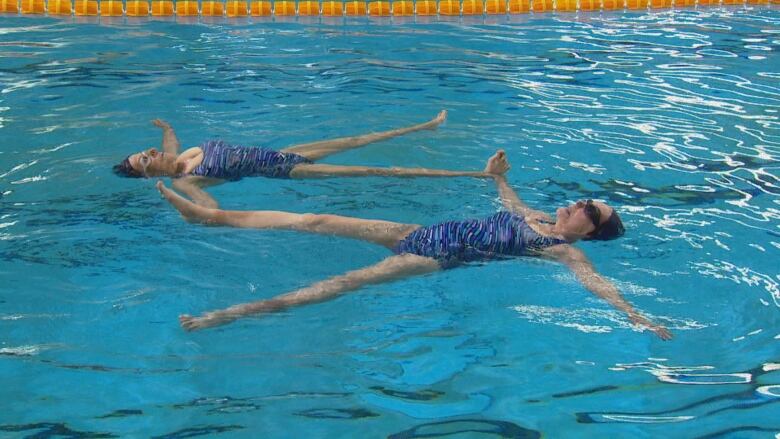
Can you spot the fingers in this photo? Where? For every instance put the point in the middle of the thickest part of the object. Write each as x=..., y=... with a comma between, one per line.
x=161, y=123
x=187, y=322
x=663, y=333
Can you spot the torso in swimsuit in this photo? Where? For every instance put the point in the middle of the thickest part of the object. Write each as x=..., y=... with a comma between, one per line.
x=501, y=235
x=233, y=162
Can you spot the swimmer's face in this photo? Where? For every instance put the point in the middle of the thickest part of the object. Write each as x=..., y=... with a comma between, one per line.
x=150, y=163
x=582, y=218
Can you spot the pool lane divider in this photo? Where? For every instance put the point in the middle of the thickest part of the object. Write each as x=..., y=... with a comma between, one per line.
x=334, y=8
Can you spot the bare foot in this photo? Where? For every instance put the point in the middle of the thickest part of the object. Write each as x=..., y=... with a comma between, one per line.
x=436, y=121
x=188, y=210
x=497, y=164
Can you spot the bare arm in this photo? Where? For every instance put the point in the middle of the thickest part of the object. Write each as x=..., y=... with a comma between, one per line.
x=497, y=167
x=170, y=144
x=587, y=275
x=392, y=268
x=192, y=187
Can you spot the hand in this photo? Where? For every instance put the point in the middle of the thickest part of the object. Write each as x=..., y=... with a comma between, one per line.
x=162, y=124
x=660, y=331
x=208, y=320
x=497, y=164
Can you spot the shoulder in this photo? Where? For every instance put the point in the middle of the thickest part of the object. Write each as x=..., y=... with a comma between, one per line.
x=565, y=253
x=189, y=153
x=192, y=151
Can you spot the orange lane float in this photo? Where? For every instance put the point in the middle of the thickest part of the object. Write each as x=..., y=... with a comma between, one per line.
x=332, y=8
x=86, y=7
x=33, y=7
x=473, y=7
x=354, y=8
x=637, y=4
x=339, y=8
x=212, y=8
x=137, y=8
x=236, y=8
x=539, y=6
x=449, y=7
x=187, y=8
x=403, y=8
x=60, y=7
x=379, y=9
x=261, y=8
x=660, y=4
x=566, y=5
x=9, y=6
x=590, y=5
x=308, y=8
x=495, y=7
x=425, y=7
x=162, y=8
x=112, y=8
x=519, y=6
x=284, y=8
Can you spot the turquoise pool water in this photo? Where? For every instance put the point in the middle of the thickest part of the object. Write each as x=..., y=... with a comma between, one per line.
x=672, y=117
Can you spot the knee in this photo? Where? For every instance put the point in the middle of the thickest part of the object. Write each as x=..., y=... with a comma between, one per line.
x=312, y=220
x=218, y=216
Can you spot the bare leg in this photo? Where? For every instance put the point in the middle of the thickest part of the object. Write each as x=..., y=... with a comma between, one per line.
x=390, y=269
x=192, y=186
x=496, y=166
x=384, y=233
x=318, y=150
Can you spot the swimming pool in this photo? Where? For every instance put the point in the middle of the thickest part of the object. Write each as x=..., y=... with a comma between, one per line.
x=670, y=116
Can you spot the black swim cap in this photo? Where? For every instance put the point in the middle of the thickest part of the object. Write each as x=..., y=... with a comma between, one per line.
x=612, y=228
x=125, y=170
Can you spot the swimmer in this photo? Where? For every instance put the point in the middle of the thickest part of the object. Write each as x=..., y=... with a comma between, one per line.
x=516, y=231
x=215, y=162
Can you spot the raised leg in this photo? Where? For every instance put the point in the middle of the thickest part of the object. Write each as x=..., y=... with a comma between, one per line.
x=318, y=150
x=384, y=233
x=390, y=269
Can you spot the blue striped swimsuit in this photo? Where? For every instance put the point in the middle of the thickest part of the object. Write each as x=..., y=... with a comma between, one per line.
x=233, y=162
x=501, y=235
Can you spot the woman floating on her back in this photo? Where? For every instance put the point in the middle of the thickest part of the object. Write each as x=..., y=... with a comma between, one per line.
x=517, y=231
x=214, y=162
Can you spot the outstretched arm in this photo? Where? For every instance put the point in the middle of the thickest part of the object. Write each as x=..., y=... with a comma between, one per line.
x=193, y=186
x=170, y=144
x=392, y=268
x=497, y=167
x=576, y=260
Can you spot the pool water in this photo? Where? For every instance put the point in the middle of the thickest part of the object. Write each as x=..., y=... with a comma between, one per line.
x=672, y=117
